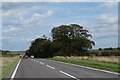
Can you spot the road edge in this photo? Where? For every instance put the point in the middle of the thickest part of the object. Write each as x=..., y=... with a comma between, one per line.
x=15, y=70
x=88, y=67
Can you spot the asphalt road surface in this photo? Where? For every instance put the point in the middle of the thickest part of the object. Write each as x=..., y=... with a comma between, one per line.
x=42, y=68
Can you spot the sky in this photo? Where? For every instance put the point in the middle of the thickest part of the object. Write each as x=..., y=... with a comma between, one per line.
x=23, y=22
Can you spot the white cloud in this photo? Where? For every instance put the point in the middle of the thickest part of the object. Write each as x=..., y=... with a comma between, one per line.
x=15, y=20
x=38, y=16
x=109, y=5
x=107, y=25
x=13, y=12
x=50, y=12
x=35, y=7
x=108, y=18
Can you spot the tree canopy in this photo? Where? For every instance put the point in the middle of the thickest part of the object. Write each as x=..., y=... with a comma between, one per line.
x=72, y=39
x=66, y=40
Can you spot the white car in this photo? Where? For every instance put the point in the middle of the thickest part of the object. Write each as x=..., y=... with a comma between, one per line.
x=31, y=56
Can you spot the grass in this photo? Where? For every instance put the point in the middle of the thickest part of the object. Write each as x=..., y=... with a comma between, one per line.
x=8, y=64
x=0, y=68
x=90, y=63
x=10, y=55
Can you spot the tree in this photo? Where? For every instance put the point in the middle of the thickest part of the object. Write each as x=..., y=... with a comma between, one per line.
x=41, y=48
x=100, y=49
x=72, y=39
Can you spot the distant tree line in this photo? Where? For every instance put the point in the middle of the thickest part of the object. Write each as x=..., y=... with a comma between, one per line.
x=5, y=52
x=118, y=48
x=67, y=40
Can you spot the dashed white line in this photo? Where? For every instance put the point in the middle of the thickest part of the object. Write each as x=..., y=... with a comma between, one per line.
x=50, y=67
x=42, y=63
x=37, y=61
x=13, y=75
x=69, y=75
x=88, y=67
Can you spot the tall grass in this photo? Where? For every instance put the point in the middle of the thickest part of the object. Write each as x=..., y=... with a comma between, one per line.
x=8, y=63
x=109, y=59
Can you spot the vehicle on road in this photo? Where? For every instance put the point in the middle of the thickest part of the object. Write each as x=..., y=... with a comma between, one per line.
x=25, y=57
x=32, y=56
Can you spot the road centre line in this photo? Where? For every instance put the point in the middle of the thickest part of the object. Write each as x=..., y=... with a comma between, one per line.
x=42, y=63
x=50, y=66
x=37, y=61
x=13, y=75
x=69, y=75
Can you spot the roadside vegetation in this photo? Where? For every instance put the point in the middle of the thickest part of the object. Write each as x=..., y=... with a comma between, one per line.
x=8, y=63
x=74, y=41
x=90, y=63
x=67, y=40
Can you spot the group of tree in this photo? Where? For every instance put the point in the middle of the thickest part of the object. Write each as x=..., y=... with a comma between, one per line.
x=67, y=40
x=5, y=52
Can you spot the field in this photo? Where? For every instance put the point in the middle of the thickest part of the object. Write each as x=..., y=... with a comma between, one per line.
x=106, y=63
x=7, y=64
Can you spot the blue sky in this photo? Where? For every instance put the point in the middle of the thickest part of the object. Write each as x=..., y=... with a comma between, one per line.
x=22, y=22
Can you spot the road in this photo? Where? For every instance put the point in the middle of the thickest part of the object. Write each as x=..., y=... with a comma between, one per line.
x=42, y=68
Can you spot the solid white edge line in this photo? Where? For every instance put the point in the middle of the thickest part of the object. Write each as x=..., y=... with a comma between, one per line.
x=69, y=75
x=13, y=75
x=89, y=68
x=50, y=67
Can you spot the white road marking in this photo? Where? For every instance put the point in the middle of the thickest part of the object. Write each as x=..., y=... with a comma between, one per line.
x=88, y=68
x=69, y=75
x=42, y=63
x=50, y=67
x=13, y=75
x=37, y=61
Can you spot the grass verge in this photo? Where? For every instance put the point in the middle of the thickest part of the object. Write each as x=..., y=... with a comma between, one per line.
x=90, y=63
x=8, y=66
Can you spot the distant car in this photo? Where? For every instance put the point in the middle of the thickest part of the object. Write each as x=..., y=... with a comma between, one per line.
x=31, y=56
x=25, y=57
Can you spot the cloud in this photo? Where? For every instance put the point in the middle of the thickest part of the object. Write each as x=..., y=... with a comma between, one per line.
x=106, y=26
x=36, y=7
x=19, y=18
x=108, y=18
x=37, y=16
x=24, y=22
x=109, y=5
x=14, y=12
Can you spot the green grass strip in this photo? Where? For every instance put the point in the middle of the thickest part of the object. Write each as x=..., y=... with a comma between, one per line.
x=90, y=63
x=8, y=67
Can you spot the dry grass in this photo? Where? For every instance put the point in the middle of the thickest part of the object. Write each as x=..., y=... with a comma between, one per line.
x=0, y=68
x=4, y=61
x=8, y=59
x=111, y=59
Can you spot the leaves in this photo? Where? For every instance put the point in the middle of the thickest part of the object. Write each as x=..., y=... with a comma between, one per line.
x=67, y=40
